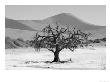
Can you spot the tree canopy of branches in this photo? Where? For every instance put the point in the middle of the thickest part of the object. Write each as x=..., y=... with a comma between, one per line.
x=57, y=38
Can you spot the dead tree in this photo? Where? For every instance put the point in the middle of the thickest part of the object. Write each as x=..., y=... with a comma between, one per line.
x=58, y=38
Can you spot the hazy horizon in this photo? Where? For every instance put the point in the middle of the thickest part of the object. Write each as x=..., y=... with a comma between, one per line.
x=94, y=14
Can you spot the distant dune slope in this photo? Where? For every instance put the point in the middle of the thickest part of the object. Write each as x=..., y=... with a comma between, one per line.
x=9, y=43
x=17, y=33
x=14, y=24
x=68, y=19
x=14, y=43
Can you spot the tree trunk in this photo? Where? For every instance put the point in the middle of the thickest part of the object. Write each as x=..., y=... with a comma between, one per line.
x=56, y=57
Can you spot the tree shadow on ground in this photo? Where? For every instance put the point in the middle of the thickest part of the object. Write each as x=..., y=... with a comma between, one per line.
x=59, y=62
x=51, y=62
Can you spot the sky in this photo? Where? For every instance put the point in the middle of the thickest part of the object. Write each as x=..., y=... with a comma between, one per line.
x=94, y=14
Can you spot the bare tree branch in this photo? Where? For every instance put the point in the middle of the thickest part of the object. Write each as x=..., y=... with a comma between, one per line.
x=60, y=38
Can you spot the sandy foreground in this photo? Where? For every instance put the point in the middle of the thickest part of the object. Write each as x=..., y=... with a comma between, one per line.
x=82, y=59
